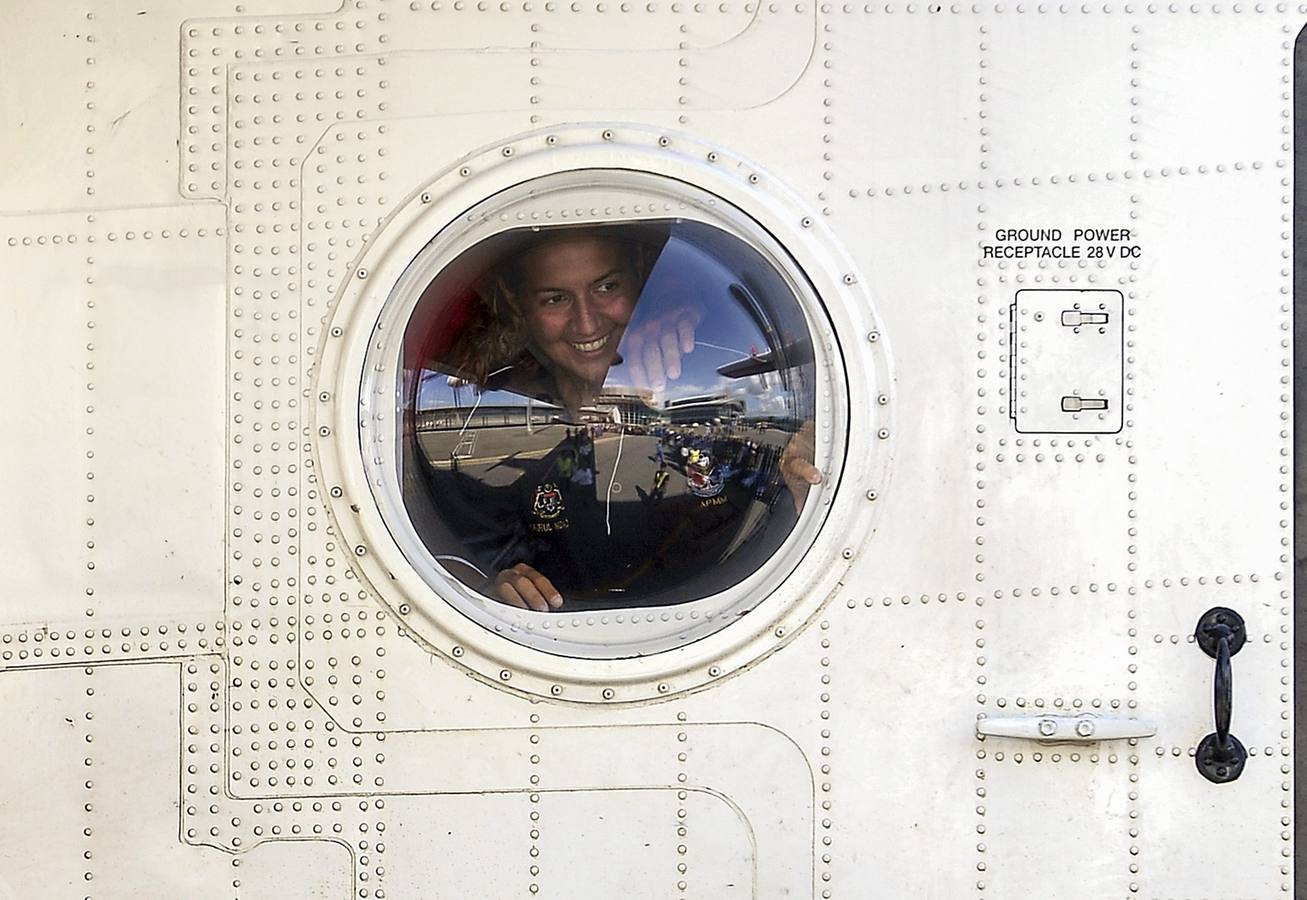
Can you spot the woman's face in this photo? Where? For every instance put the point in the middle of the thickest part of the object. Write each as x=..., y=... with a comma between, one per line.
x=576, y=295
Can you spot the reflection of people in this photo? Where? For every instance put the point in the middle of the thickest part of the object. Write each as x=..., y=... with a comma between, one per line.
x=552, y=321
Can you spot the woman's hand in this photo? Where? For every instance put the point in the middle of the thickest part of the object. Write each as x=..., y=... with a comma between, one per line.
x=524, y=587
x=796, y=465
x=653, y=349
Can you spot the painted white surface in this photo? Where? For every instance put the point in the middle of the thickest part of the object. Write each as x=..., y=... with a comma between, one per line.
x=209, y=692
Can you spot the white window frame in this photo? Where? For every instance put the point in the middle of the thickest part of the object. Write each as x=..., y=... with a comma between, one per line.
x=581, y=656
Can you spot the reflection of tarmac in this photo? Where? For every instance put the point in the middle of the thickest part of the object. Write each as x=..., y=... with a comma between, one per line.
x=497, y=448
x=488, y=454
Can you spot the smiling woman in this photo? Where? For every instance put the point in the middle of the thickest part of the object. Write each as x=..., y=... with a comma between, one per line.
x=553, y=311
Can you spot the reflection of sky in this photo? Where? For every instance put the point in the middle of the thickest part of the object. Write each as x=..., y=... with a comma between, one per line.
x=684, y=275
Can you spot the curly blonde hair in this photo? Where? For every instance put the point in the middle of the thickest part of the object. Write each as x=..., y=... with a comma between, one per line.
x=497, y=337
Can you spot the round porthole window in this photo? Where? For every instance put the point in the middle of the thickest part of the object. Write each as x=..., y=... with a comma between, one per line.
x=596, y=417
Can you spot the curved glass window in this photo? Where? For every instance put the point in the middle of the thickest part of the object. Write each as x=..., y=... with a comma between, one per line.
x=607, y=415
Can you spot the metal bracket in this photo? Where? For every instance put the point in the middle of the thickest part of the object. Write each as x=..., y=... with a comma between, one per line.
x=1085, y=728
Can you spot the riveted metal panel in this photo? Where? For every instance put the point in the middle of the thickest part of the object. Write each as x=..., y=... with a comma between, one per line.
x=45, y=256
x=1239, y=522
x=1069, y=803
x=217, y=678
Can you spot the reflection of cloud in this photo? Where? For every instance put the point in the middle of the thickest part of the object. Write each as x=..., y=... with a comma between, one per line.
x=677, y=390
x=436, y=393
x=776, y=404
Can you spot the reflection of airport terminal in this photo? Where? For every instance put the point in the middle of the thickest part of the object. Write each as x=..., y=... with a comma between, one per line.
x=541, y=477
x=714, y=409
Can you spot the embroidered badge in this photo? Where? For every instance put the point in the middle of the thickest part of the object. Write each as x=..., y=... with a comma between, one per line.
x=703, y=478
x=548, y=501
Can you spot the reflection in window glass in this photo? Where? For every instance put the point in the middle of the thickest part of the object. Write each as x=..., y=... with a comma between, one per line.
x=607, y=416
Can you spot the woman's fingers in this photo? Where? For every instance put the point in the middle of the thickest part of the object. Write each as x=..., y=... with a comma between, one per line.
x=671, y=355
x=796, y=465
x=524, y=587
x=685, y=332
x=653, y=367
x=634, y=356
x=506, y=593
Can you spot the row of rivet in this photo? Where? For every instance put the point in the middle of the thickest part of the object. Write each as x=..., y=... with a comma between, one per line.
x=1063, y=8
x=682, y=813
x=92, y=234
x=828, y=100
x=824, y=713
x=88, y=785
x=533, y=800
x=906, y=600
x=1072, y=178
x=549, y=6
x=1202, y=580
x=1286, y=471
x=1137, y=107
x=527, y=6
x=1176, y=752
x=1018, y=757
x=979, y=787
x=682, y=825
x=1062, y=703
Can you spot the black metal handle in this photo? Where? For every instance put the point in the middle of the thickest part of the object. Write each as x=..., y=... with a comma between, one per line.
x=1221, y=634
x=1223, y=689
